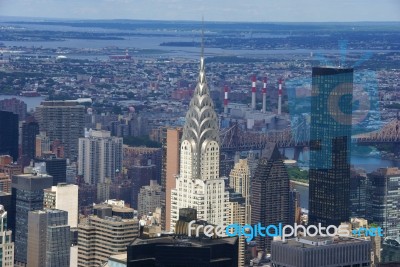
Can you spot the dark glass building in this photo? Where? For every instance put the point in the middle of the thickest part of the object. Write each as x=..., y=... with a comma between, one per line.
x=269, y=193
x=55, y=167
x=29, y=132
x=330, y=137
x=9, y=134
x=170, y=251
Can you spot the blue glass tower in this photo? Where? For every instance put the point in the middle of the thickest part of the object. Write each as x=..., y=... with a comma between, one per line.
x=330, y=137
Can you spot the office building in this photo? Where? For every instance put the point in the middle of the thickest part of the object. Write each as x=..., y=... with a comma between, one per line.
x=171, y=147
x=63, y=197
x=321, y=252
x=28, y=143
x=134, y=156
x=199, y=185
x=6, y=244
x=239, y=180
x=270, y=193
x=5, y=183
x=236, y=214
x=100, y=157
x=49, y=238
x=170, y=252
x=149, y=198
x=330, y=137
x=140, y=175
x=42, y=144
x=27, y=195
x=101, y=236
x=383, y=201
x=64, y=121
x=9, y=134
x=56, y=167
x=358, y=193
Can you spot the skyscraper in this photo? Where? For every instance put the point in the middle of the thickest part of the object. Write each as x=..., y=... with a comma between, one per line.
x=383, y=201
x=63, y=197
x=100, y=157
x=49, y=238
x=27, y=195
x=270, y=193
x=199, y=185
x=330, y=136
x=64, y=121
x=29, y=131
x=104, y=235
x=9, y=134
x=55, y=167
x=149, y=198
x=6, y=244
x=170, y=171
x=239, y=180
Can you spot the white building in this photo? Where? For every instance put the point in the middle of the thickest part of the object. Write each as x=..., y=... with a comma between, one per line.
x=198, y=185
x=100, y=156
x=63, y=197
x=6, y=244
x=149, y=198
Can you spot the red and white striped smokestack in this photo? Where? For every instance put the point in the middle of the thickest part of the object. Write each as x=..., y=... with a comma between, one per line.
x=226, y=100
x=253, y=92
x=264, y=96
x=280, y=97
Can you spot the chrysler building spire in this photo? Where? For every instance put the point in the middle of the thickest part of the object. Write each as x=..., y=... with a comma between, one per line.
x=201, y=131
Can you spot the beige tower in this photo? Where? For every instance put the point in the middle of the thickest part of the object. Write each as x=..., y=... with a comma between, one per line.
x=239, y=180
x=172, y=161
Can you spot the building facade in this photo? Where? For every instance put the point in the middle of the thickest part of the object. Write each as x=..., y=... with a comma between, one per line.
x=171, y=161
x=102, y=236
x=199, y=185
x=55, y=167
x=383, y=201
x=321, y=252
x=28, y=146
x=330, y=137
x=63, y=197
x=27, y=195
x=63, y=121
x=6, y=243
x=270, y=193
x=149, y=198
x=100, y=157
x=9, y=134
x=49, y=238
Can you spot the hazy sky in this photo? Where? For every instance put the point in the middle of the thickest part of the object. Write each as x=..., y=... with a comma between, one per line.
x=213, y=10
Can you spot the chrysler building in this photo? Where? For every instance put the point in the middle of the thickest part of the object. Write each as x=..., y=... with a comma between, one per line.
x=198, y=184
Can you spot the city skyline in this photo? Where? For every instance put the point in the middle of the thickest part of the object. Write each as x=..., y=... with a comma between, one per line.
x=234, y=10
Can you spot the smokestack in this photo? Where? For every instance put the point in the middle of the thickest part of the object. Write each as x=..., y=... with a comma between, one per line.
x=280, y=97
x=226, y=100
x=253, y=92
x=264, y=96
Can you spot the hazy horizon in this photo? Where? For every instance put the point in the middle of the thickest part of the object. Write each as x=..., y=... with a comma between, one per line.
x=213, y=11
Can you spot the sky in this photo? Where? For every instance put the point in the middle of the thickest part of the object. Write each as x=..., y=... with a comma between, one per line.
x=212, y=10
